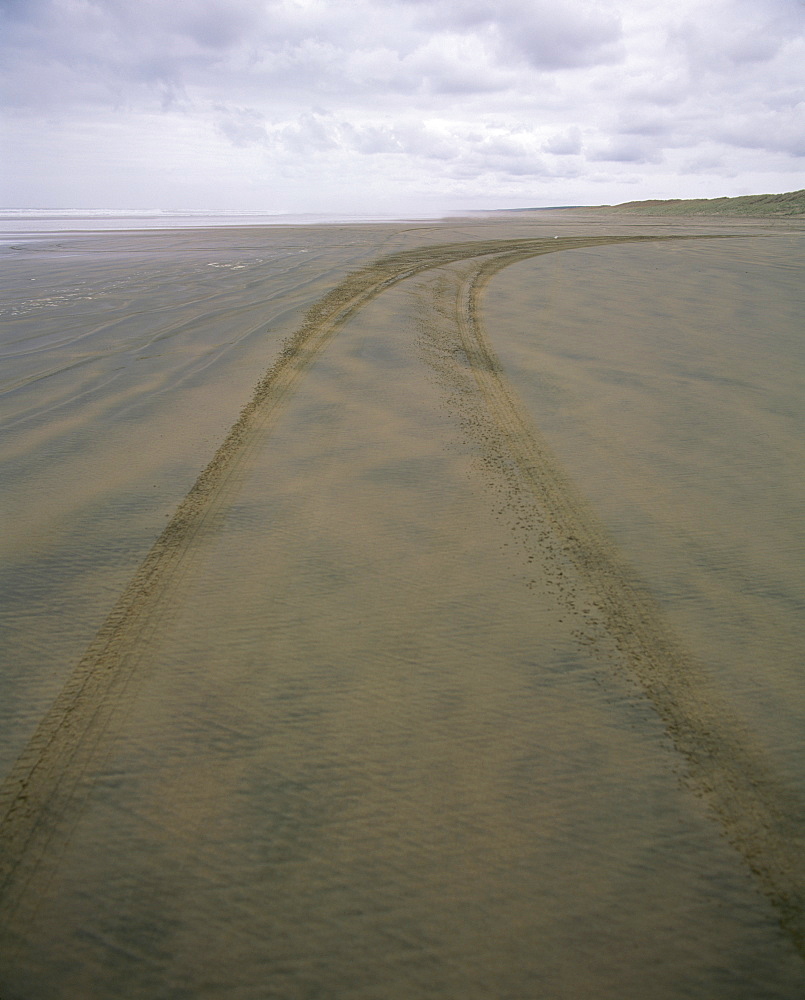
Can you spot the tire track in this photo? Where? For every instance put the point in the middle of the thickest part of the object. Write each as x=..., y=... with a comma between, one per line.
x=43, y=795
x=761, y=818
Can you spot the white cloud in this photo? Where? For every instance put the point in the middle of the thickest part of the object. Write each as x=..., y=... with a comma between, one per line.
x=439, y=96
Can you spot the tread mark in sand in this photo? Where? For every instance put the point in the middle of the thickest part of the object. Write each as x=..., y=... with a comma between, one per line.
x=44, y=793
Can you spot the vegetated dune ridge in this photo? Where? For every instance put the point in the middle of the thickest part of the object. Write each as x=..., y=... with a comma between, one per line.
x=44, y=792
x=791, y=203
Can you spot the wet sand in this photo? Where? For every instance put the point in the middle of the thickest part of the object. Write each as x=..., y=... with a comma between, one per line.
x=466, y=666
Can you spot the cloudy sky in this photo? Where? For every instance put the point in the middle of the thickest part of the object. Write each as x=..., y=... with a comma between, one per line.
x=397, y=105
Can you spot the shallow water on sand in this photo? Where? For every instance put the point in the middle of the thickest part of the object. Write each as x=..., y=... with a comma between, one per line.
x=125, y=359
x=670, y=380
x=372, y=740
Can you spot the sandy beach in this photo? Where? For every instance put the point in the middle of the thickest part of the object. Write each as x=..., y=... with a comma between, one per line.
x=404, y=611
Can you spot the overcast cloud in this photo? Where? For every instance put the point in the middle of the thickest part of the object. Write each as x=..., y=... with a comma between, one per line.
x=397, y=105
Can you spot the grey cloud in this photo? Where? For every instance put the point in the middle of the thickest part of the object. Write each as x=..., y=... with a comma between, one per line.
x=65, y=55
x=220, y=25
x=777, y=132
x=437, y=89
x=553, y=37
x=734, y=33
x=639, y=123
x=531, y=167
x=206, y=24
x=705, y=164
x=625, y=149
x=455, y=66
x=566, y=143
x=235, y=46
x=545, y=34
x=447, y=48
x=21, y=11
x=151, y=51
x=126, y=46
x=241, y=126
x=474, y=163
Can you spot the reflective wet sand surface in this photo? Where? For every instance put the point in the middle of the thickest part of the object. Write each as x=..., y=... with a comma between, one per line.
x=675, y=401
x=446, y=679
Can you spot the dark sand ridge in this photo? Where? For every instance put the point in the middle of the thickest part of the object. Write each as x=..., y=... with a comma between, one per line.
x=44, y=790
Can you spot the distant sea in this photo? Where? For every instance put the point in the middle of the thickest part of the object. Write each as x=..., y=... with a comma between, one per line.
x=17, y=221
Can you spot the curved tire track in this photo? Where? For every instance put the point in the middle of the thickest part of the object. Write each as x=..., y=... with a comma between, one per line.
x=762, y=819
x=45, y=791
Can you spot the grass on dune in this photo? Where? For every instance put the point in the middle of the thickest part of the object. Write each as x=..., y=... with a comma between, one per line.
x=787, y=204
